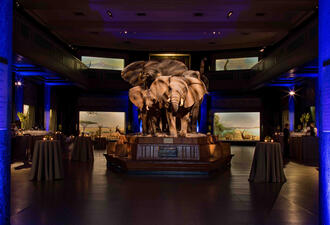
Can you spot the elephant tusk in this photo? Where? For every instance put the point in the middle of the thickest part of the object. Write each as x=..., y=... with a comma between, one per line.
x=181, y=102
x=147, y=108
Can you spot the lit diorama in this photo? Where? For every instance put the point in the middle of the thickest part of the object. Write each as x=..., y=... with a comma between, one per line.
x=168, y=96
x=102, y=124
x=237, y=126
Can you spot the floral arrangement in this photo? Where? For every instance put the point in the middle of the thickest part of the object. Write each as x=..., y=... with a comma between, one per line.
x=23, y=118
x=304, y=119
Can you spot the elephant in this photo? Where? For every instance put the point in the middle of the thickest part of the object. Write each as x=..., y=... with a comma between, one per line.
x=143, y=73
x=149, y=112
x=179, y=96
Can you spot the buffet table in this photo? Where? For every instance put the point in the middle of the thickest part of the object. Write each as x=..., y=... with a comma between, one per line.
x=82, y=149
x=267, y=165
x=47, y=161
x=20, y=146
x=100, y=143
x=304, y=149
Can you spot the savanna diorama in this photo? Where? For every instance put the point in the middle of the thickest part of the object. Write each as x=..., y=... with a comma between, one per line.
x=237, y=126
x=102, y=124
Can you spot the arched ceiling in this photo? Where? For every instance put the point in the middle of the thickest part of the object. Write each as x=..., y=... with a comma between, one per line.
x=170, y=25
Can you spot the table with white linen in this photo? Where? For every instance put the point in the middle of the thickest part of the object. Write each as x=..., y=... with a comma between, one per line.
x=47, y=161
x=82, y=149
x=267, y=165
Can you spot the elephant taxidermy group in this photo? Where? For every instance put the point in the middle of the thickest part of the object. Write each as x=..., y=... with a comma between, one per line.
x=167, y=95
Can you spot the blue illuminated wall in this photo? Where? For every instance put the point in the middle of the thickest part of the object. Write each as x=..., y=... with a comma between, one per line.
x=135, y=120
x=6, y=19
x=47, y=106
x=324, y=109
x=19, y=97
x=203, y=118
x=291, y=112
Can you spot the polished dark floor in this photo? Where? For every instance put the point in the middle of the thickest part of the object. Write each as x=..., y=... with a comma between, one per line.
x=91, y=195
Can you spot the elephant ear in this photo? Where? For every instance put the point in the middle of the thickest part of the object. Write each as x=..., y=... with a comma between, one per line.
x=135, y=95
x=169, y=67
x=159, y=89
x=191, y=73
x=133, y=73
x=196, y=91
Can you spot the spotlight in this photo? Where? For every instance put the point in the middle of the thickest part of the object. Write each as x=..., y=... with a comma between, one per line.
x=230, y=13
x=109, y=13
x=292, y=93
x=18, y=83
x=125, y=32
x=213, y=32
x=262, y=50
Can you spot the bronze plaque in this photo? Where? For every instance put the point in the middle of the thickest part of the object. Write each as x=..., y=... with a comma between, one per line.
x=167, y=152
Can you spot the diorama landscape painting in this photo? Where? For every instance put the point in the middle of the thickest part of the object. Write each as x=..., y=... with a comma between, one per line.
x=104, y=124
x=235, y=63
x=103, y=63
x=237, y=126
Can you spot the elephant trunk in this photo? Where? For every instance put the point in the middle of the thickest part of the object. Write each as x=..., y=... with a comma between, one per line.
x=175, y=100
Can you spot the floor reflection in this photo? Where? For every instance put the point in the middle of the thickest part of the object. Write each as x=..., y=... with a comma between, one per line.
x=90, y=194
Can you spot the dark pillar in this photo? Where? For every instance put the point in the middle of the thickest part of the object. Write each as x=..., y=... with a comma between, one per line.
x=324, y=109
x=6, y=20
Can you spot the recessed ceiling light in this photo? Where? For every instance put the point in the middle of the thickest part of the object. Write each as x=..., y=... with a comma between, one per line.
x=78, y=13
x=141, y=14
x=125, y=32
x=198, y=14
x=109, y=13
x=262, y=50
x=230, y=13
x=260, y=14
x=219, y=32
x=292, y=93
x=214, y=32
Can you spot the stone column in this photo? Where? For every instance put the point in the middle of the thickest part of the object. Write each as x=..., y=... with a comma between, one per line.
x=6, y=21
x=324, y=110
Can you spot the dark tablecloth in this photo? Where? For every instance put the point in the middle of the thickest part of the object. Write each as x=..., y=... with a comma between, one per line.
x=82, y=149
x=100, y=143
x=267, y=165
x=21, y=145
x=47, y=161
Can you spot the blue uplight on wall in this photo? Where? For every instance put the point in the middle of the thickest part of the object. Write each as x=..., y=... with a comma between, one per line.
x=324, y=110
x=18, y=95
x=291, y=108
x=136, y=124
x=47, y=106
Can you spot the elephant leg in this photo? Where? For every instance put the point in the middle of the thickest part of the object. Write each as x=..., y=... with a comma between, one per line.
x=153, y=124
x=184, y=125
x=164, y=121
x=194, y=118
x=171, y=119
x=144, y=119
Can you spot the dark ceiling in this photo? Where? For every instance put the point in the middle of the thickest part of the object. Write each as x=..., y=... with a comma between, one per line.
x=175, y=25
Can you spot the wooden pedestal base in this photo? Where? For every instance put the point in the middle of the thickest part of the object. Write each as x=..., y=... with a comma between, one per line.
x=194, y=154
